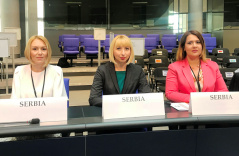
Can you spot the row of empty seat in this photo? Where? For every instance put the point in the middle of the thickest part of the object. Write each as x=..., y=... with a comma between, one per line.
x=72, y=45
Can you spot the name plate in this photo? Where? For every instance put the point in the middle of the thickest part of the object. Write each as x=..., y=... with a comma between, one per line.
x=132, y=105
x=214, y=103
x=21, y=110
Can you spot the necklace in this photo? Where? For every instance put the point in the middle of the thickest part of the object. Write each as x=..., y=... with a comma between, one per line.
x=197, y=79
x=42, y=86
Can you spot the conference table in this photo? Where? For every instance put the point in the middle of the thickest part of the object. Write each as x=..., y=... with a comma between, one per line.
x=126, y=136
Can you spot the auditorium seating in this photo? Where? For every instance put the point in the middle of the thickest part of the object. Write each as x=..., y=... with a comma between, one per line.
x=150, y=43
x=106, y=47
x=90, y=48
x=210, y=43
x=230, y=61
x=71, y=48
x=220, y=53
x=169, y=43
x=157, y=36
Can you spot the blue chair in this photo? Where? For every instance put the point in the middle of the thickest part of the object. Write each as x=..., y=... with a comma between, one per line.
x=157, y=36
x=66, y=82
x=210, y=43
x=67, y=36
x=61, y=38
x=169, y=43
x=179, y=37
x=106, y=47
x=206, y=35
x=150, y=43
x=91, y=49
x=71, y=48
x=82, y=40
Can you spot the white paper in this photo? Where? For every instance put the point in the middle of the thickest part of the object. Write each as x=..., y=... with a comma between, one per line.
x=180, y=106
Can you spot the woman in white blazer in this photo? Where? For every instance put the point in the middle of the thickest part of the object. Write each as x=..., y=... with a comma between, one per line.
x=38, y=79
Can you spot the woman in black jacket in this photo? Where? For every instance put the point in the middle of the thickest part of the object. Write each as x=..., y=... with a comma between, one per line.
x=119, y=76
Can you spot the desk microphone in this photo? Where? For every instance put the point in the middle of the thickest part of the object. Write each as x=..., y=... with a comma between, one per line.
x=32, y=121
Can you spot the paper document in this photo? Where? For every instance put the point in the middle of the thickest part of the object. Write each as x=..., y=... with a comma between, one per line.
x=180, y=106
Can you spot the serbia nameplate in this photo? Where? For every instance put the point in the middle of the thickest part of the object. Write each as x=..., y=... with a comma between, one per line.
x=132, y=105
x=214, y=103
x=46, y=109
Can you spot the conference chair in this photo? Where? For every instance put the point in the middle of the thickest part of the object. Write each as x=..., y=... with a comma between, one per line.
x=66, y=82
x=136, y=36
x=230, y=62
x=169, y=43
x=157, y=36
x=61, y=40
x=82, y=40
x=71, y=48
x=157, y=61
x=206, y=35
x=236, y=52
x=227, y=74
x=150, y=43
x=90, y=48
x=179, y=37
x=158, y=79
x=174, y=54
x=210, y=43
x=234, y=83
x=159, y=52
x=212, y=58
x=106, y=47
x=220, y=53
x=139, y=60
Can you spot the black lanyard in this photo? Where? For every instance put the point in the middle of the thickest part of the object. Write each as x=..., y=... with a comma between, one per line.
x=197, y=79
x=42, y=86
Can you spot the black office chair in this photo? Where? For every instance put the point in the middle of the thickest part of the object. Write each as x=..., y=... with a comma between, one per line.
x=158, y=79
x=159, y=52
x=227, y=74
x=236, y=52
x=174, y=54
x=220, y=53
x=230, y=62
x=234, y=84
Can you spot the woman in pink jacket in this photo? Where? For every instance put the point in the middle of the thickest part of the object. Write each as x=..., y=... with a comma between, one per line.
x=192, y=72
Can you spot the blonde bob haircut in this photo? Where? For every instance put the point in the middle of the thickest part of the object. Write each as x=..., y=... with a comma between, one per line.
x=121, y=41
x=27, y=51
x=181, y=53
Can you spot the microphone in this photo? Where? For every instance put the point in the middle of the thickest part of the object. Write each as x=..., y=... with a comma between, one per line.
x=32, y=121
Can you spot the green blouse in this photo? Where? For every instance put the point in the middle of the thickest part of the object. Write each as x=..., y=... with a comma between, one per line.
x=120, y=78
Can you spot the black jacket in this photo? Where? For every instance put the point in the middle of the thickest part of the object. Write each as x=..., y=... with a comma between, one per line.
x=105, y=82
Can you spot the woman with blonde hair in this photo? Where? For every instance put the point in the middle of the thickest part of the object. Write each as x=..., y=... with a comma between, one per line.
x=39, y=78
x=192, y=72
x=119, y=76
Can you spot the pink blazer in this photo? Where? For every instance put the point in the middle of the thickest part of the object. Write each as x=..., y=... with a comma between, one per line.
x=179, y=80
